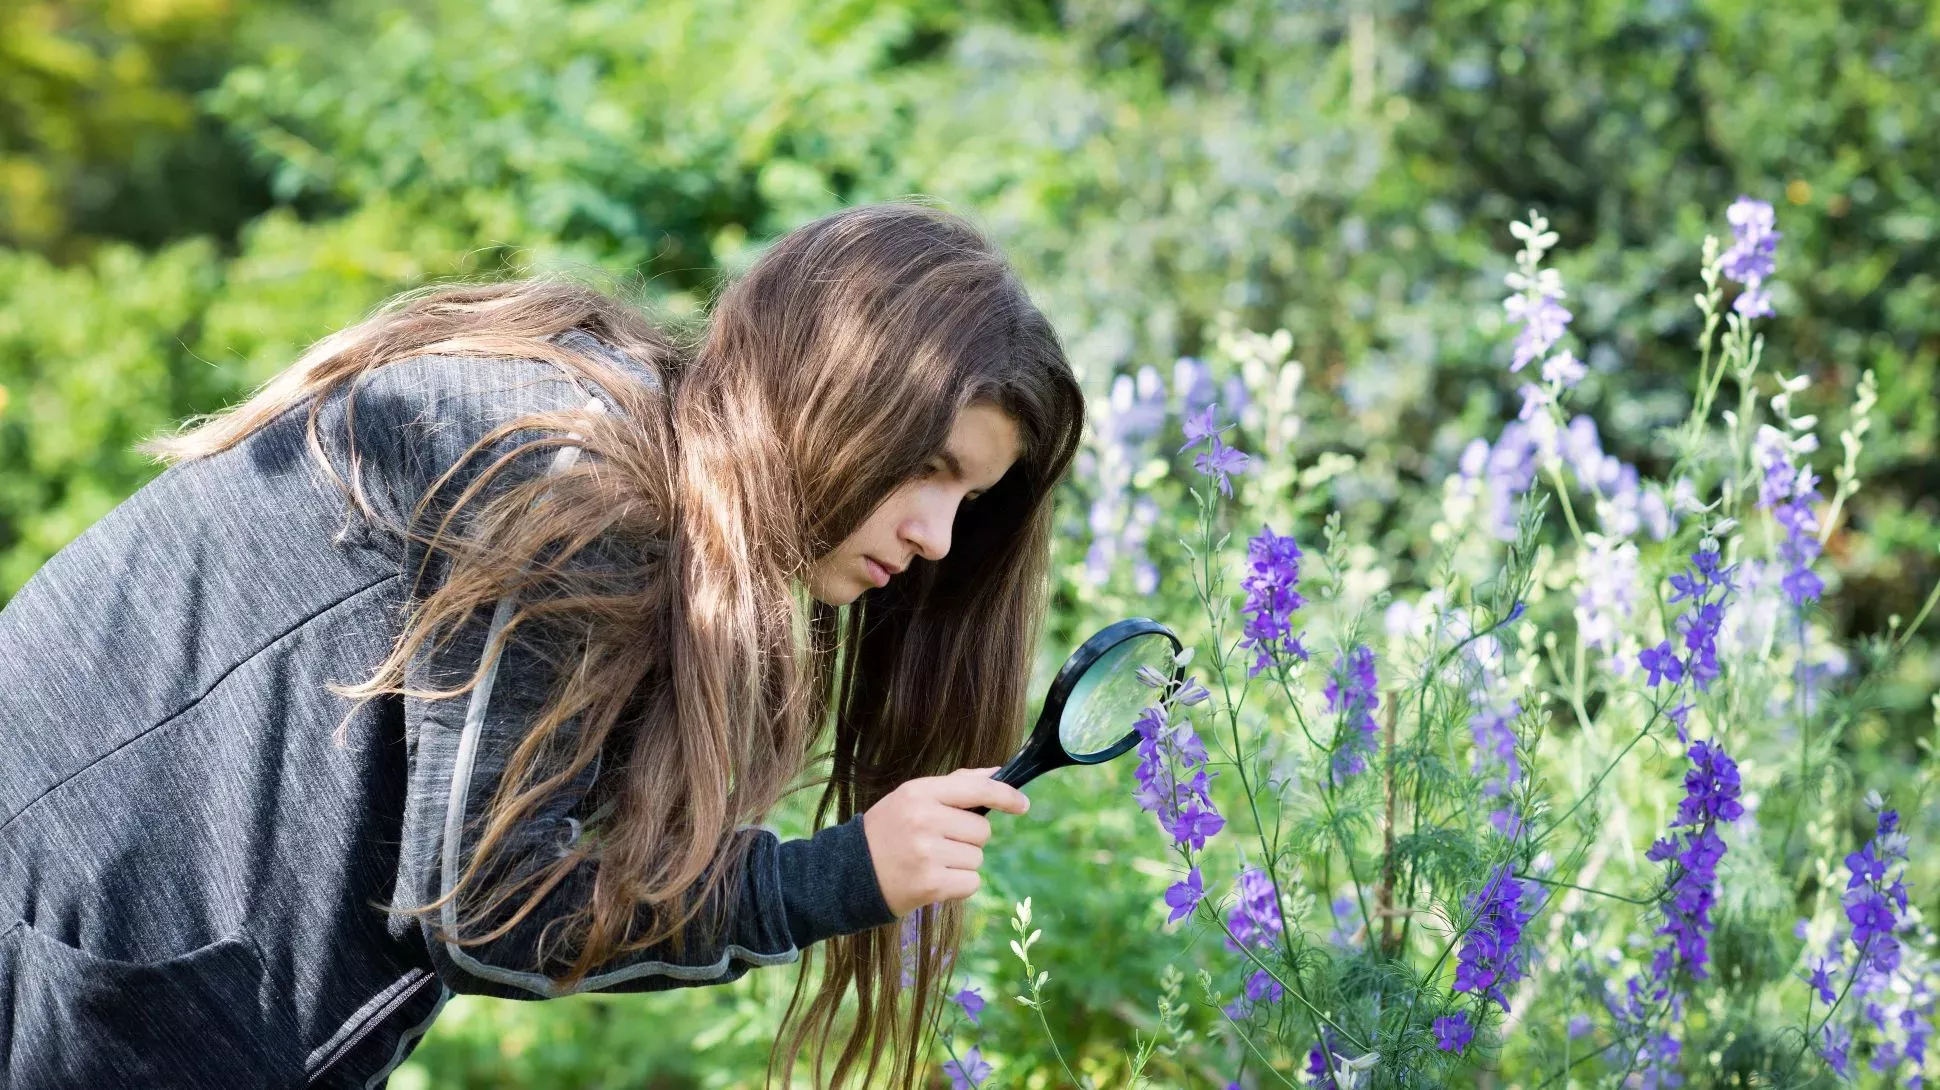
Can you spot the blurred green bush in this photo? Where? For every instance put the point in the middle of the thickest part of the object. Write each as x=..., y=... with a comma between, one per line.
x=191, y=192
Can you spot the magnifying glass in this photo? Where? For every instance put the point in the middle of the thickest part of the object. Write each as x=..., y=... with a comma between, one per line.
x=1094, y=700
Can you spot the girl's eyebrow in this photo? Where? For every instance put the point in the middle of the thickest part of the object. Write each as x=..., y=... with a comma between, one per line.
x=951, y=463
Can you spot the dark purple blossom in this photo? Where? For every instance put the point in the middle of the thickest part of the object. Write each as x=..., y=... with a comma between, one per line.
x=1272, y=598
x=1453, y=1032
x=1491, y=956
x=1699, y=624
x=1662, y=664
x=1873, y=905
x=1711, y=791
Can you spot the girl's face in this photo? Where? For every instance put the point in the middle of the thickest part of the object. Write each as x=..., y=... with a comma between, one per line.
x=916, y=518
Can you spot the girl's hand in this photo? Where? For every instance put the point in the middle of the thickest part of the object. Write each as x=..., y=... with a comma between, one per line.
x=925, y=842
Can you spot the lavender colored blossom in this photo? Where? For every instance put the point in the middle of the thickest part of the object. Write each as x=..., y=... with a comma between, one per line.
x=1564, y=369
x=1261, y=990
x=1542, y=319
x=969, y=1072
x=1453, y=1032
x=1493, y=728
x=1788, y=491
x=1130, y=418
x=1201, y=425
x=1255, y=916
x=1173, y=781
x=1491, y=955
x=1608, y=596
x=1350, y=693
x=1193, y=382
x=972, y=1003
x=1750, y=259
x=1836, y=1048
x=1218, y=462
x=912, y=930
x=1272, y=598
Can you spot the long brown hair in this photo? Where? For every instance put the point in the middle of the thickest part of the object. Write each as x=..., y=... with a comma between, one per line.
x=823, y=377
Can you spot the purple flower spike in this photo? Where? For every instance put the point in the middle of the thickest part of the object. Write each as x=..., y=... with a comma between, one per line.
x=1272, y=599
x=1351, y=695
x=1711, y=795
x=1750, y=261
x=1491, y=957
x=1255, y=916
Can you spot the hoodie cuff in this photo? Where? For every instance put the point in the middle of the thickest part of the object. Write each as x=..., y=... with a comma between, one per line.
x=828, y=884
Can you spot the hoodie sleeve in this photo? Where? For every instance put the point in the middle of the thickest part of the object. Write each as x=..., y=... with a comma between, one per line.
x=790, y=893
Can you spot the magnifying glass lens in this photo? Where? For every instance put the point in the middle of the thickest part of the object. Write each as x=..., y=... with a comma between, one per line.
x=1106, y=701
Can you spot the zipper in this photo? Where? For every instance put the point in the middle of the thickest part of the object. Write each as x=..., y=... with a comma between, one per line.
x=372, y=1023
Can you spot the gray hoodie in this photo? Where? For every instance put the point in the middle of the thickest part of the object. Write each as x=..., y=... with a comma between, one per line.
x=193, y=874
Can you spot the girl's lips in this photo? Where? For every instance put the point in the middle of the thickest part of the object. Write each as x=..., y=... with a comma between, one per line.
x=878, y=574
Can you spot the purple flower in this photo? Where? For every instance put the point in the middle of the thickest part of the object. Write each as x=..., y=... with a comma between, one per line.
x=1542, y=319
x=971, y=1002
x=1838, y=1042
x=1491, y=956
x=1218, y=461
x=1255, y=916
x=1199, y=426
x=1608, y=597
x=1564, y=369
x=1872, y=903
x=1262, y=988
x=1579, y=1025
x=1750, y=259
x=1184, y=896
x=1493, y=729
x=1173, y=784
x=1711, y=795
x=1821, y=980
x=911, y=931
x=1662, y=663
x=1788, y=491
x=1699, y=624
x=1272, y=598
x=969, y=1072
x=1453, y=1032
x=1350, y=692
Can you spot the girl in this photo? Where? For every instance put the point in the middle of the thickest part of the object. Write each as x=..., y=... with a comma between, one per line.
x=606, y=587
